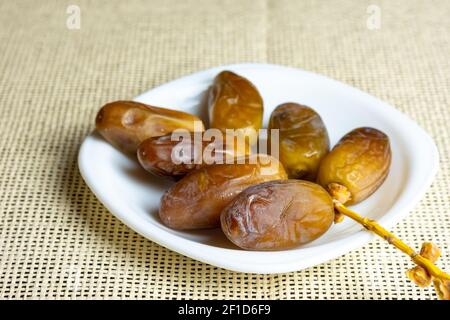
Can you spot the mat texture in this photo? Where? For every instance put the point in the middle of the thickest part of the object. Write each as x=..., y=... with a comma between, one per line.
x=57, y=241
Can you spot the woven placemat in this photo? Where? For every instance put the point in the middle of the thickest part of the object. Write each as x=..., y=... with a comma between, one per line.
x=58, y=241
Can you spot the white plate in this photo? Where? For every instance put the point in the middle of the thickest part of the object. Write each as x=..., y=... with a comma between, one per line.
x=133, y=195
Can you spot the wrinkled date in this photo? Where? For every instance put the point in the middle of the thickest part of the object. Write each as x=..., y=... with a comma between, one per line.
x=125, y=124
x=235, y=103
x=169, y=157
x=278, y=215
x=197, y=200
x=303, y=139
x=360, y=162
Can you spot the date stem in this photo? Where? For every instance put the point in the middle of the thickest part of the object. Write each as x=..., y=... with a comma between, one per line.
x=441, y=280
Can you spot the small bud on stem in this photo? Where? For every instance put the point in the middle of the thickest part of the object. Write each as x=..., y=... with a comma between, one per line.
x=426, y=271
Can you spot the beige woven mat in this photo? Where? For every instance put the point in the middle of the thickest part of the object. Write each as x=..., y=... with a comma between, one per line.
x=56, y=238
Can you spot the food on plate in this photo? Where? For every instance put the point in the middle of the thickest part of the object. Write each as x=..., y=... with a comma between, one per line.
x=125, y=124
x=168, y=156
x=197, y=200
x=259, y=201
x=303, y=139
x=359, y=163
x=235, y=103
x=278, y=215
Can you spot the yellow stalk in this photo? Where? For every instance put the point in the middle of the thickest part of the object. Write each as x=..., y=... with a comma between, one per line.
x=440, y=278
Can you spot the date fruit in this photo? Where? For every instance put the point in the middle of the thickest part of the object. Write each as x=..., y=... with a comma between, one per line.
x=125, y=124
x=168, y=157
x=303, y=139
x=359, y=162
x=278, y=215
x=235, y=103
x=196, y=201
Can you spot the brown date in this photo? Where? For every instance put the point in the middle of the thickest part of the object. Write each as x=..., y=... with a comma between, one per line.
x=303, y=139
x=196, y=201
x=169, y=157
x=235, y=103
x=125, y=124
x=278, y=215
x=359, y=162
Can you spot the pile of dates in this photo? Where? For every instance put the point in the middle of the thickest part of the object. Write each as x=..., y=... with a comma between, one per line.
x=260, y=202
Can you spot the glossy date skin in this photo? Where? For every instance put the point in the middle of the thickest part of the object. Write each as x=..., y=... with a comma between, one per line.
x=303, y=139
x=235, y=103
x=125, y=124
x=278, y=215
x=360, y=162
x=166, y=157
x=196, y=201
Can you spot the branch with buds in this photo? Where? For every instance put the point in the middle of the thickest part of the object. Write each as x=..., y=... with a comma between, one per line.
x=426, y=272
